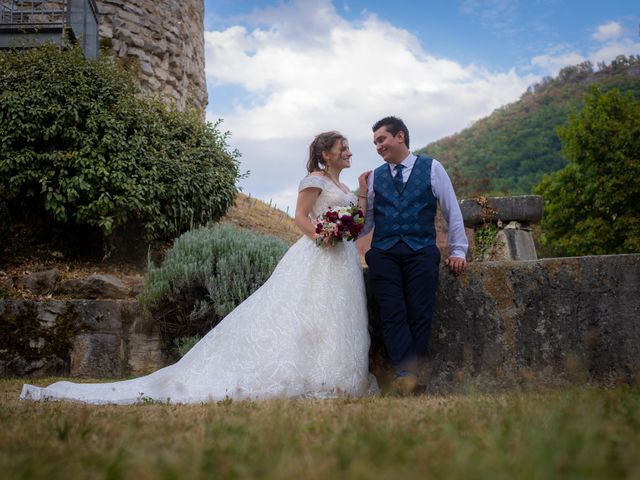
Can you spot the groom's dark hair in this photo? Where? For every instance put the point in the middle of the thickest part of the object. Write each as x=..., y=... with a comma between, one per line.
x=393, y=126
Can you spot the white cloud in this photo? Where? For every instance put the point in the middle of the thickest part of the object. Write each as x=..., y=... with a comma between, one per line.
x=563, y=55
x=552, y=63
x=308, y=70
x=611, y=50
x=608, y=31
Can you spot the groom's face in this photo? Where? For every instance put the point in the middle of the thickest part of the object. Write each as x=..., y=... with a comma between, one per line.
x=390, y=148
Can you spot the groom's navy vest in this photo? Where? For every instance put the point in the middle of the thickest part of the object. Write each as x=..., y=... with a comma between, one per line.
x=407, y=215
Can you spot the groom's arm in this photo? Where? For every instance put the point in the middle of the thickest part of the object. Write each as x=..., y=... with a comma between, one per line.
x=444, y=192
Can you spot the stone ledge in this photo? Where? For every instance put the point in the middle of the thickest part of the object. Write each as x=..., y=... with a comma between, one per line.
x=49, y=283
x=525, y=209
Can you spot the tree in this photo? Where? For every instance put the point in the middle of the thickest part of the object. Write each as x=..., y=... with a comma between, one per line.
x=592, y=206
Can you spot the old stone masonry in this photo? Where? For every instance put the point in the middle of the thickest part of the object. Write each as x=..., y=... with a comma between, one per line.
x=163, y=38
x=166, y=37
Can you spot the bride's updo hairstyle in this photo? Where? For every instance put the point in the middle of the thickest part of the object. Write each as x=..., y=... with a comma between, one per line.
x=322, y=143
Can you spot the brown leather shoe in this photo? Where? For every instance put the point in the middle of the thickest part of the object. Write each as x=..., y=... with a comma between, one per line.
x=405, y=386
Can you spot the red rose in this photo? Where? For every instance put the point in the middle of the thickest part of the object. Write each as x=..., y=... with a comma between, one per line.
x=347, y=220
x=332, y=216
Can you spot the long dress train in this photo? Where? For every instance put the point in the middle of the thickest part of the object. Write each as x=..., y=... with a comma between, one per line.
x=302, y=334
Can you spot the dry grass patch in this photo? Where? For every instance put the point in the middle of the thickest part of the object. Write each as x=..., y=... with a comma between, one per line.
x=257, y=216
x=577, y=433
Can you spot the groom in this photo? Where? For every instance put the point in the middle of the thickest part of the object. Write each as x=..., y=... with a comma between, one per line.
x=403, y=261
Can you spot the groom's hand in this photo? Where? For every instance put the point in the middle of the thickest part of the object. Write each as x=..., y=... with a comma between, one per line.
x=456, y=265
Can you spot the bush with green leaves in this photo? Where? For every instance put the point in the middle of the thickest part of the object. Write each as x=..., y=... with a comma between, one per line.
x=592, y=206
x=82, y=150
x=204, y=276
x=184, y=344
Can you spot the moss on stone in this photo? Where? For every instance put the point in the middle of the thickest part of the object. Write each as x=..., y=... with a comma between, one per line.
x=483, y=239
x=24, y=338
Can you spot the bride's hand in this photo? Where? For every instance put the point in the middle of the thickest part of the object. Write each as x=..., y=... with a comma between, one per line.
x=363, y=182
x=326, y=241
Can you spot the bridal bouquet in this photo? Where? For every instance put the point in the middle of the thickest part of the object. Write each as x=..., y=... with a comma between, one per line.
x=339, y=224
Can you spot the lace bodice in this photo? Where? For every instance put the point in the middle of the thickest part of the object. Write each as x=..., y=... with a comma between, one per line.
x=331, y=195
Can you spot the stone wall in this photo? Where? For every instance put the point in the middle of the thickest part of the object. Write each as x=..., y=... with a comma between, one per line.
x=77, y=338
x=93, y=328
x=545, y=322
x=552, y=320
x=166, y=38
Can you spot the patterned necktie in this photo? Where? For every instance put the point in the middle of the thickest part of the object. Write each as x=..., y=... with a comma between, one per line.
x=397, y=179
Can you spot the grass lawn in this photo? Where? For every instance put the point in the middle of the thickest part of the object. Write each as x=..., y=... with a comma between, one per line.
x=574, y=433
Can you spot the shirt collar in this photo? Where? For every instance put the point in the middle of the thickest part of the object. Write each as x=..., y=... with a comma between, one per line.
x=407, y=163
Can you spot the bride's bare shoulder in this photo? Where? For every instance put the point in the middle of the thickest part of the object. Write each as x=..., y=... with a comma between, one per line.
x=316, y=174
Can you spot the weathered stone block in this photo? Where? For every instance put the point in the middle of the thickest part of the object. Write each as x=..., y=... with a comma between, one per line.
x=95, y=286
x=104, y=316
x=145, y=353
x=145, y=68
x=129, y=16
x=524, y=209
x=96, y=355
x=106, y=31
x=139, y=53
x=40, y=283
x=152, y=83
x=137, y=11
x=512, y=243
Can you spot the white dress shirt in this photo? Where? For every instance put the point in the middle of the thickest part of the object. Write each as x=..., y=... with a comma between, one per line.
x=445, y=195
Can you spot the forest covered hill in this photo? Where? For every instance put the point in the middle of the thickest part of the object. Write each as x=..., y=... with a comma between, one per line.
x=509, y=151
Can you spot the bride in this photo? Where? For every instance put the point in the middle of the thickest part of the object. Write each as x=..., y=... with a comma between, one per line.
x=302, y=334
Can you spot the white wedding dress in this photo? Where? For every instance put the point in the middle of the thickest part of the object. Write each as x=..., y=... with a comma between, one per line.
x=302, y=334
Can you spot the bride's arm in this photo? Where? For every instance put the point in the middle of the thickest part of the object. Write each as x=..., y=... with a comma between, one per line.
x=306, y=199
x=363, y=191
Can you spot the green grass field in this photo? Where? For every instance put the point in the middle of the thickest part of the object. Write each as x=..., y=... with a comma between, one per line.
x=575, y=433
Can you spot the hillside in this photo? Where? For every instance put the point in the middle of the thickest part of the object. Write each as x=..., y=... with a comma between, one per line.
x=257, y=216
x=510, y=150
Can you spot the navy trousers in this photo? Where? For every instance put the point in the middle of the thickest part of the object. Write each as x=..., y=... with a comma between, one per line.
x=404, y=284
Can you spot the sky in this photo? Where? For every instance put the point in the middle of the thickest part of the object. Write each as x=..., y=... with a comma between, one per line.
x=280, y=72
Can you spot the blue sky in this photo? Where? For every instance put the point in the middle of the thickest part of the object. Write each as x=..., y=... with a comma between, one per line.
x=278, y=72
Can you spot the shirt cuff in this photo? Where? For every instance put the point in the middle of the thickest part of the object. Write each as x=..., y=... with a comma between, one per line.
x=458, y=252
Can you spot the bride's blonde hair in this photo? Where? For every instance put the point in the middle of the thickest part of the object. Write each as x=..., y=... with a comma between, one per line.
x=322, y=143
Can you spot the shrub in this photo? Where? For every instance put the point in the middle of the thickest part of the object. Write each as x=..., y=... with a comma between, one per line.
x=184, y=344
x=204, y=276
x=82, y=151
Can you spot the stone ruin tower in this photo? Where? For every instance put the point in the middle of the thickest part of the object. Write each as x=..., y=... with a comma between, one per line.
x=166, y=38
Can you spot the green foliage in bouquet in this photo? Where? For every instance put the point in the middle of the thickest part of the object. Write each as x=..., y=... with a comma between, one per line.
x=82, y=151
x=592, y=206
x=205, y=275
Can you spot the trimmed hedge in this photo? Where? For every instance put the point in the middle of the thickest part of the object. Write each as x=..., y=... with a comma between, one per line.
x=80, y=148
